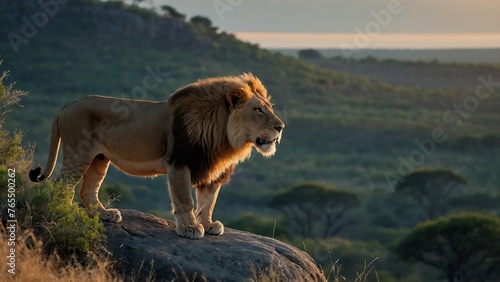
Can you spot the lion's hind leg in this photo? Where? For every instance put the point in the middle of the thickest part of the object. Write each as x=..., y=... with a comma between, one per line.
x=71, y=173
x=206, y=197
x=92, y=180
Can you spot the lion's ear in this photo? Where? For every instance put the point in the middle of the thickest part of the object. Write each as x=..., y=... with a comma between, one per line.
x=235, y=96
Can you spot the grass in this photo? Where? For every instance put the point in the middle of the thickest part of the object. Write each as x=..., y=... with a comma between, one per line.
x=362, y=276
x=32, y=264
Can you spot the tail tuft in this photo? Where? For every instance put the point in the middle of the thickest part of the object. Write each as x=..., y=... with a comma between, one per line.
x=35, y=174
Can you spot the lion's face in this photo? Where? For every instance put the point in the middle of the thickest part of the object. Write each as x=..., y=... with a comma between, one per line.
x=252, y=121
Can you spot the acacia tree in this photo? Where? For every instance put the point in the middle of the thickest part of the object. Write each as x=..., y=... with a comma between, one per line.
x=431, y=188
x=335, y=203
x=464, y=247
x=309, y=204
x=172, y=12
x=309, y=54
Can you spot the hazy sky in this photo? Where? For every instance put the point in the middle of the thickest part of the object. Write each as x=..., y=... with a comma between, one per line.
x=347, y=16
x=443, y=16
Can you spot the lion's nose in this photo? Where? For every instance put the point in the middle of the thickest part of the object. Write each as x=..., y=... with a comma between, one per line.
x=278, y=128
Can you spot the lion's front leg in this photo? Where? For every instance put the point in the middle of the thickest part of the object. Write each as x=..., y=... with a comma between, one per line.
x=179, y=184
x=206, y=197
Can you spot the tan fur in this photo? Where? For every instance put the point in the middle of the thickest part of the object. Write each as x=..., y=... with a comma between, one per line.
x=198, y=136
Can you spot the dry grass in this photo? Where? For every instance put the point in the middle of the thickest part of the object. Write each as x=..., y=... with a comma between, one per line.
x=32, y=265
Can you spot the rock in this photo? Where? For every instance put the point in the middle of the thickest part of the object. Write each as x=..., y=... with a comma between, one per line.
x=235, y=256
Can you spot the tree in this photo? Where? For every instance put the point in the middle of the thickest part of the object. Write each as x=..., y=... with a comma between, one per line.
x=171, y=11
x=431, y=188
x=464, y=247
x=335, y=203
x=309, y=204
x=309, y=54
x=202, y=21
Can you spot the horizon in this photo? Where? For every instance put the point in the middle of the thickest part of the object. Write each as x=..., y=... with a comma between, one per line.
x=398, y=24
x=364, y=41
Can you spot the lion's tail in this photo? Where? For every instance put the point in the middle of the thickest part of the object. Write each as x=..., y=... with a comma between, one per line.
x=55, y=141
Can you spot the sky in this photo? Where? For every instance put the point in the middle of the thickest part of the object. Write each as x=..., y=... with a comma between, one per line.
x=271, y=23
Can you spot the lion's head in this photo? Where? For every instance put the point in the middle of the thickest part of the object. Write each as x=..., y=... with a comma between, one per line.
x=251, y=117
x=217, y=121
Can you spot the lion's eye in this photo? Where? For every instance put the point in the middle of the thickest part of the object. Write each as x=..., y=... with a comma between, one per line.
x=259, y=110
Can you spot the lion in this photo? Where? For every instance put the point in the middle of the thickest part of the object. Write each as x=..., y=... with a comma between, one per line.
x=197, y=137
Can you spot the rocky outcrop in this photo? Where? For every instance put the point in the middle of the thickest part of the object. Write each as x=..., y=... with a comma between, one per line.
x=147, y=246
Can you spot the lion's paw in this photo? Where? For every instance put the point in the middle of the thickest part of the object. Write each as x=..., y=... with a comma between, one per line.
x=214, y=228
x=111, y=215
x=195, y=231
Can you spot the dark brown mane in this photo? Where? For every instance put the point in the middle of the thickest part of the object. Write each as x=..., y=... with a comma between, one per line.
x=199, y=128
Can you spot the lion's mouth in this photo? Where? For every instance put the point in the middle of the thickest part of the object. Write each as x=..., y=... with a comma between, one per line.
x=262, y=141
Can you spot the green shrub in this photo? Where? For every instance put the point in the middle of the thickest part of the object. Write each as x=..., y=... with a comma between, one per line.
x=45, y=208
x=61, y=225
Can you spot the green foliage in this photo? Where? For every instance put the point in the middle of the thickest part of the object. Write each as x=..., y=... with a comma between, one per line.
x=45, y=208
x=488, y=141
x=307, y=204
x=203, y=26
x=465, y=247
x=203, y=21
x=171, y=11
x=343, y=258
x=476, y=202
x=8, y=95
x=264, y=226
x=431, y=188
x=386, y=209
x=61, y=225
x=11, y=150
x=309, y=54
x=2, y=90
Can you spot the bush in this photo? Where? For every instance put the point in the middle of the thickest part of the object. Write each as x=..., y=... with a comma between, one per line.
x=60, y=225
x=309, y=54
x=46, y=219
x=45, y=208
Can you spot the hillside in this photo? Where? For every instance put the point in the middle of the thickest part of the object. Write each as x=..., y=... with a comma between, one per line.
x=411, y=73
x=341, y=128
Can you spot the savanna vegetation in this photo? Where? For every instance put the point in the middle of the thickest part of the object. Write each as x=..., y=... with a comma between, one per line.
x=44, y=237
x=369, y=163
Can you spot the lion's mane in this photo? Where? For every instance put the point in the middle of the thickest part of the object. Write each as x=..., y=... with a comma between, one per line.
x=200, y=127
